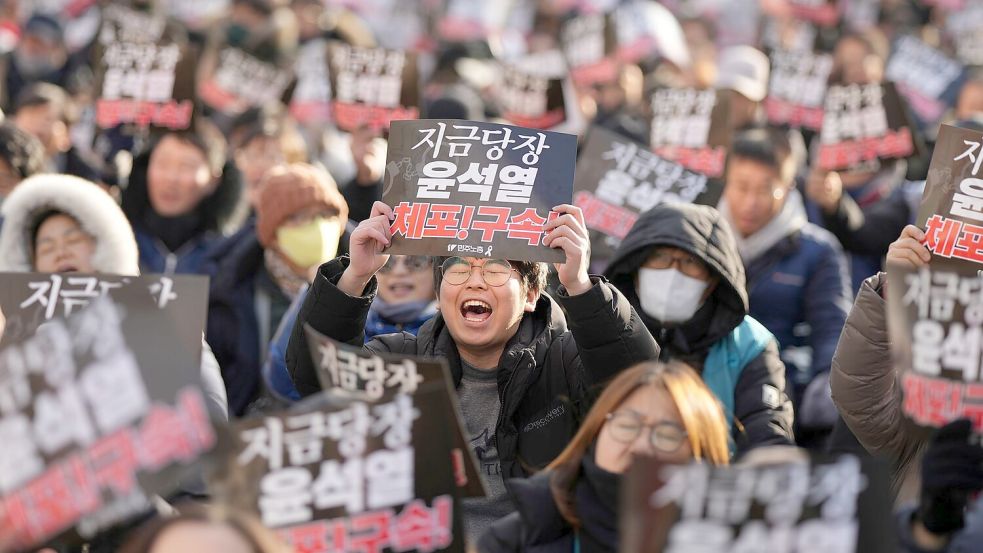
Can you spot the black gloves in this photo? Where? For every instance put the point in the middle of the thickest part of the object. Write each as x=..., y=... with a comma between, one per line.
x=952, y=470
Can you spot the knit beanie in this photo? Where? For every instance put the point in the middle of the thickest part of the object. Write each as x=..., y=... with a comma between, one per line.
x=289, y=189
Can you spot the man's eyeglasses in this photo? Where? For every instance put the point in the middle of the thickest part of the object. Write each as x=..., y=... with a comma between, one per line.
x=495, y=272
x=688, y=264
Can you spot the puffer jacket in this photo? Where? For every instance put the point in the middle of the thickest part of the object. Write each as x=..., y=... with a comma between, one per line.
x=803, y=278
x=867, y=390
x=548, y=374
x=760, y=404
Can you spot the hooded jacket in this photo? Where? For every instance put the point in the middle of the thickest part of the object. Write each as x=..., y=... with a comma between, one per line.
x=198, y=232
x=115, y=251
x=758, y=401
x=548, y=374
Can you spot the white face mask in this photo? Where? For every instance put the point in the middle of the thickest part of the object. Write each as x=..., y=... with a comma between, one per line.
x=668, y=295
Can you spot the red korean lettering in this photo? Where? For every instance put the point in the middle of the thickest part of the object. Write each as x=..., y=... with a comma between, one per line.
x=931, y=401
x=162, y=438
x=425, y=529
x=941, y=234
x=409, y=219
x=114, y=463
x=310, y=538
x=174, y=115
x=527, y=226
x=973, y=405
x=107, y=113
x=442, y=222
x=54, y=501
x=969, y=244
x=499, y=221
x=370, y=531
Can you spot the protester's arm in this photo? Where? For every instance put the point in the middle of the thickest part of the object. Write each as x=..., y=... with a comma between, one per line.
x=864, y=384
x=864, y=232
x=761, y=405
x=609, y=334
x=339, y=299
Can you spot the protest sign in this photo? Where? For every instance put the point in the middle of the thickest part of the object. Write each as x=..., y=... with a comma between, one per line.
x=788, y=505
x=928, y=79
x=476, y=189
x=618, y=179
x=934, y=318
x=310, y=104
x=863, y=124
x=352, y=477
x=145, y=71
x=963, y=30
x=590, y=44
x=951, y=212
x=372, y=86
x=531, y=100
x=29, y=300
x=796, y=88
x=824, y=13
x=98, y=413
x=367, y=375
x=236, y=81
x=692, y=127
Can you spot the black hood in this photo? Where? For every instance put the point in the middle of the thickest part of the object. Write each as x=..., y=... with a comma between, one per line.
x=213, y=214
x=701, y=231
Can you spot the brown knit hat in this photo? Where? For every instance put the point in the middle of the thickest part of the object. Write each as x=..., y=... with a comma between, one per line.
x=289, y=189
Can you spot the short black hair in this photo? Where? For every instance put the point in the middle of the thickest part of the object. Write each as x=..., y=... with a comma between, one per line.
x=767, y=146
x=205, y=137
x=533, y=273
x=21, y=150
x=47, y=94
x=36, y=223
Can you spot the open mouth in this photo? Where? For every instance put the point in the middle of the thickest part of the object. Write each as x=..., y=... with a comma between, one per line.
x=401, y=289
x=476, y=311
x=67, y=268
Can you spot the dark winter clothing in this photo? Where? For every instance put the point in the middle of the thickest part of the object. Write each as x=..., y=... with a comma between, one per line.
x=802, y=280
x=547, y=375
x=759, y=401
x=177, y=244
x=244, y=309
x=360, y=199
x=538, y=527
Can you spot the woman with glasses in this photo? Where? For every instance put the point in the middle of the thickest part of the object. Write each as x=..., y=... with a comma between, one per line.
x=680, y=268
x=662, y=410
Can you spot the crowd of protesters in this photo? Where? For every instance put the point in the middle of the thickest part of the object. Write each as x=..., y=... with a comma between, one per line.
x=711, y=331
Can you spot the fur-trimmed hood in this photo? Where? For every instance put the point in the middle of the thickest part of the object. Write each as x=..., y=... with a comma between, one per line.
x=94, y=209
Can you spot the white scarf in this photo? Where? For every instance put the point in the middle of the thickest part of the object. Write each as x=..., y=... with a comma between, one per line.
x=789, y=220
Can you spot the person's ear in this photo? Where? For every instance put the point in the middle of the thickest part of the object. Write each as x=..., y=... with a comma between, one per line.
x=532, y=298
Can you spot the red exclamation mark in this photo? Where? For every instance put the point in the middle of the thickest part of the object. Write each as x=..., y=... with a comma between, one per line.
x=462, y=233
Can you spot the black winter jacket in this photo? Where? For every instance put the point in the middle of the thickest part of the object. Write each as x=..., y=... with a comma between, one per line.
x=547, y=376
x=766, y=416
x=538, y=527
